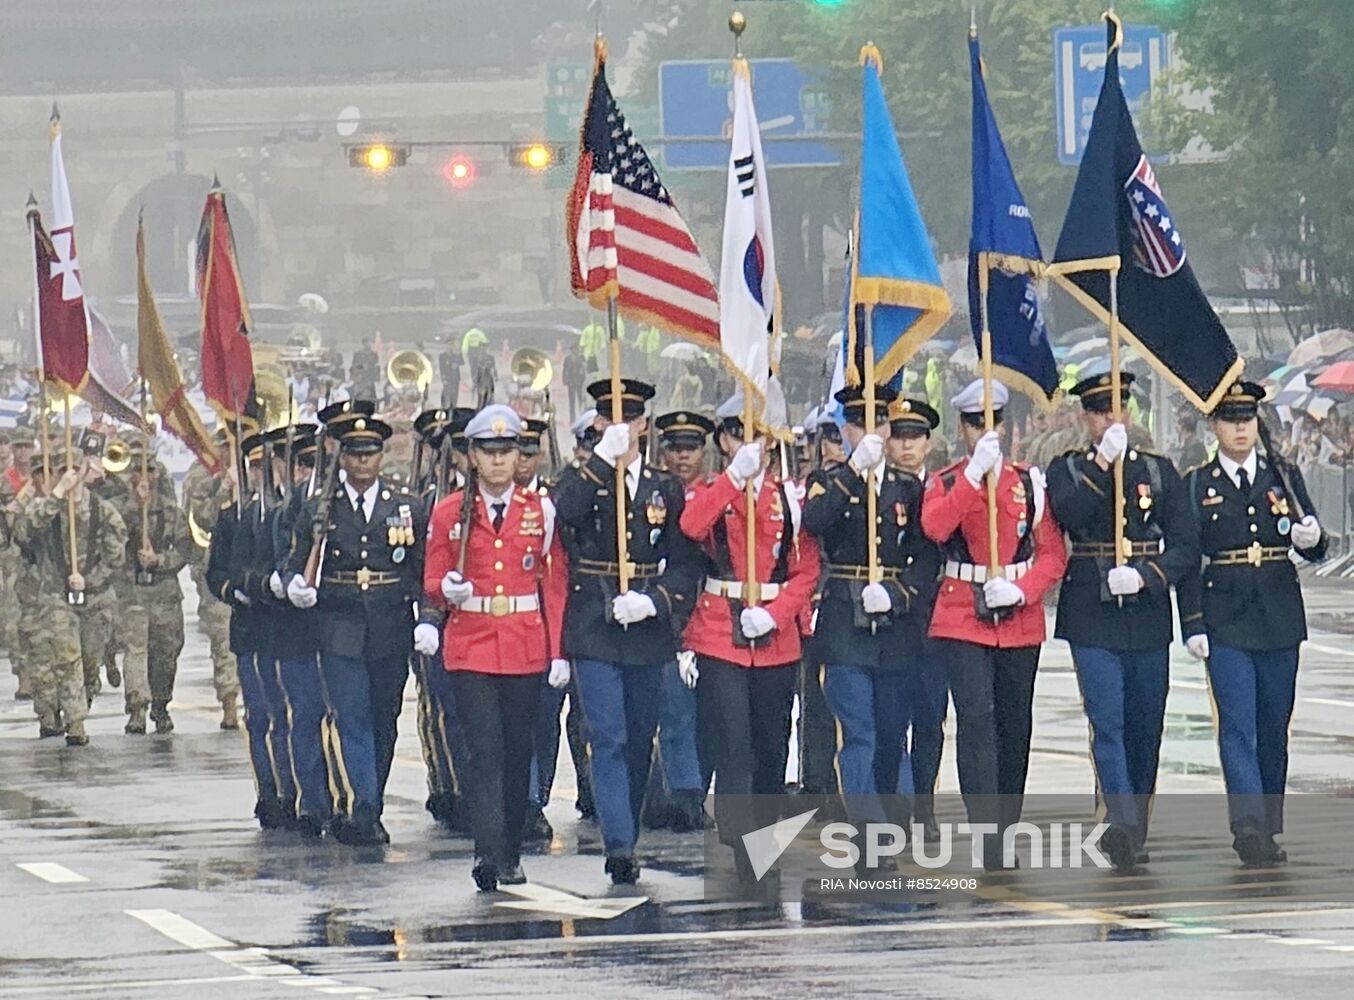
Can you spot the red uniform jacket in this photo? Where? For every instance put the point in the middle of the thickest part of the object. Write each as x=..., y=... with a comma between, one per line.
x=524, y=557
x=710, y=632
x=963, y=509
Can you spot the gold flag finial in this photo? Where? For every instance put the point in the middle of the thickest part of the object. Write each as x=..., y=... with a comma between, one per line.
x=870, y=54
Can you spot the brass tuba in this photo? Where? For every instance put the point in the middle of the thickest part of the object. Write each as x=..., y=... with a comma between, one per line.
x=410, y=368
x=274, y=397
x=117, y=457
x=202, y=537
x=534, y=363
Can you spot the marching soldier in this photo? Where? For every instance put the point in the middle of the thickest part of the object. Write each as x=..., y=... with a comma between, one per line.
x=1244, y=615
x=495, y=560
x=368, y=577
x=746, y=639
x=70, y=597
x=530, y=452
x=619, y=641
x=203, y=496
x=908, y=448
x=1115, y=615
x=990, y=628
x=152, y=605
x=586, y=436
x=870, y=632
x=677, y=781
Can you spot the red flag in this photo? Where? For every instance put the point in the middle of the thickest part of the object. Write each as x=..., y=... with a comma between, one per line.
x=227, y=359
x=62, y=323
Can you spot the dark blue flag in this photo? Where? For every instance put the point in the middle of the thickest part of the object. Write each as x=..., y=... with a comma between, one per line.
x=1118, y=210
x=1004, y=232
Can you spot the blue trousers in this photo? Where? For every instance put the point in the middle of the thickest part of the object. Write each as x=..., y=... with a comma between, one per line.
x=304, y=688
x=256, y=727
x=929, y=701
x=620, y=707
x=677, y=734
x=1253, y=692
x=279, y=727
x=352, y=742
x=1124, y=694
x=872, y=710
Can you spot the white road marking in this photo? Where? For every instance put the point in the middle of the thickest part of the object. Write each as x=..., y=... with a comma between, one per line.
x=183, y=930
x=1335, y=702
x=542, y=898
x=50, y=871
x=1321, y=647
x=1300, y=942
x=101, y=986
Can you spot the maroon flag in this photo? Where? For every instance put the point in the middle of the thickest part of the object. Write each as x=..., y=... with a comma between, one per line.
x=62, y=323
x=227, y=358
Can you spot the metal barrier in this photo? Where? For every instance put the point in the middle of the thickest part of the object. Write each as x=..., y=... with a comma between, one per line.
x=1329, y=487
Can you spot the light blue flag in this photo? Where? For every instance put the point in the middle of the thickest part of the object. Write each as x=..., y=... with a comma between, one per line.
x=895, y=276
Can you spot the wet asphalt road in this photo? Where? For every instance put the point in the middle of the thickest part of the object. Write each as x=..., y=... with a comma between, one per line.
x=133, y=868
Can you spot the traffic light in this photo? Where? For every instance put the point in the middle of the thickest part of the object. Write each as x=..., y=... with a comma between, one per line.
x=459, y=171
x=378, y=157
x=536, y=155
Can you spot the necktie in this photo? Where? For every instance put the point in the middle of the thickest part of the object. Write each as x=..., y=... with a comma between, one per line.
x=1244, y=479
x=361, y=508
x=499, y=507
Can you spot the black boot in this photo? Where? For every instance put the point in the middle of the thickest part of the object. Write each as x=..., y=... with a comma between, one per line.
x=159, y=714
x=687, y=812
x=485, y=874
x=623, y=869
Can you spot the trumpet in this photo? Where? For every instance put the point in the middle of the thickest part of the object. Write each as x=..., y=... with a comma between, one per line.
x=117, y=457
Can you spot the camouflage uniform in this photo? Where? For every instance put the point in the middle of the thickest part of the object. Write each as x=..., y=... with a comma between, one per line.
x=10, y=567
x=152, y=609
x=203, y=495
x=68, y=635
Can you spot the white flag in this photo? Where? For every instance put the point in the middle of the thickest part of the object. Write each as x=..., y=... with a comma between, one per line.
x=747, y=273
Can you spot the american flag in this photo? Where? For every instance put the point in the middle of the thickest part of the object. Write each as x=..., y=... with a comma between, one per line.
x=626, y=238
x=1158, y=248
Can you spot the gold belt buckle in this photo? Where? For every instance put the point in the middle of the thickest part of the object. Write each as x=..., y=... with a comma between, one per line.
x=1128, y=549
x=1255, y=554
x=364, y=578
x=499, y=605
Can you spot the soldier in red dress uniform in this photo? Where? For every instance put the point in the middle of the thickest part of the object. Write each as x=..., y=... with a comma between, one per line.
x=989, y=627
x=747, y=652
x=503, y=630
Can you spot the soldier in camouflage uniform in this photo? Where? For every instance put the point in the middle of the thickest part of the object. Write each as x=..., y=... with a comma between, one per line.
x=10, y=569
x=203, y=497
x=72, y=635
x=152, y=600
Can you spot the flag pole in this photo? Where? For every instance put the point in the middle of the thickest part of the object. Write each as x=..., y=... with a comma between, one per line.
x=1117, y=414
x=871, y=500
x=617, y=417
x=989, y=412
x=145, y=473
x=37, y=337
x=70, y=497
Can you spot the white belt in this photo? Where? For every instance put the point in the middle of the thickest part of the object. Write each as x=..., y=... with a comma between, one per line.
x=973, y=573
x=500, y=605
x=733, y=589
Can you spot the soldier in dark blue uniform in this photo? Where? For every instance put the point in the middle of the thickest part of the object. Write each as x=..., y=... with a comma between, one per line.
x=368, y=578
x=620, y=640
x=1244, y=614
x=1116, y=613
x=230, y=564
x=871, y=633
x=911, y=422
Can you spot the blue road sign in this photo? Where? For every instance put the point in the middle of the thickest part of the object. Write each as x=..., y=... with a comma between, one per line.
x=1079, y=56
x=694, y=98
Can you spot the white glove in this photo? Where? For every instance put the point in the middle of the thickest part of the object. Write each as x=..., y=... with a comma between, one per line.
x=243, y=598
x=746, y=463
x=1197, y=646
x=1306, y=533
x=686, y=668
x=615, y=443
x=275, y=585
x=1125, y=581
x=1113, y=443
x=756, y=622
x=632, y=607
x=795, y=490
x=986, y=457
x=425, y=639
x=867, y=454
x=456, y=589
x=301, y=595
x=560, y=673
x=876, y=599
x=1002, y=593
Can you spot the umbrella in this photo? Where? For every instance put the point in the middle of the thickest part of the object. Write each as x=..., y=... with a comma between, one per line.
x=1093, y=345
x=1325, y=344
x=966, y=356
x=1280, y=374
x=1339, y=376
x=1295, y=390
x=682, y=351
x=1320, y=407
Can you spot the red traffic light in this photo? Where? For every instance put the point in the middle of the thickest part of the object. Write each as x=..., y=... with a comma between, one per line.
x=459, y=171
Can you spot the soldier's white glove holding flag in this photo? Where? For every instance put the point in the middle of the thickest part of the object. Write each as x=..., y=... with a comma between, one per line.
x=746, y=463
x=1113, y=443
x=615, y=443
x=868, y=454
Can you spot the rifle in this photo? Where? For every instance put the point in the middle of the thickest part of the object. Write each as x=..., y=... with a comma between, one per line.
x=320, y=525
x=472, y=486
